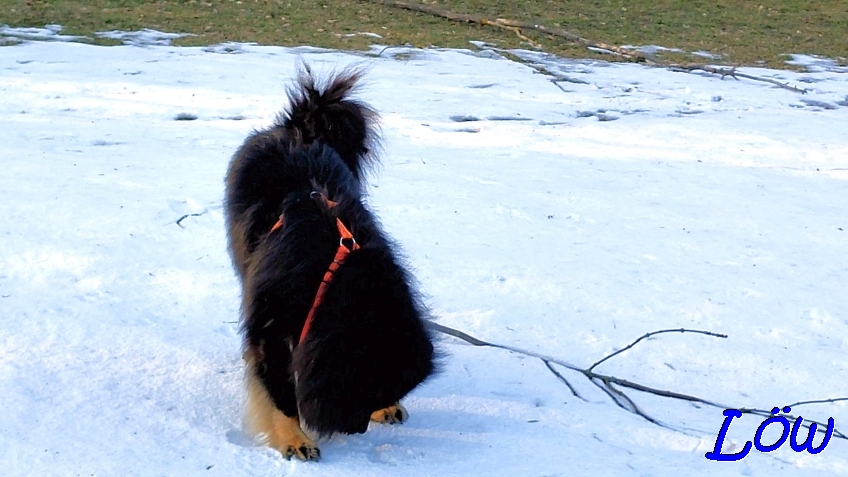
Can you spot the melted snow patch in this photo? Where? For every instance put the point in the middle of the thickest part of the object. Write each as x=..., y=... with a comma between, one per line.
x=49, y=32
x=144, y=37
x=361, y=33
x=651, y=49
x=817, y=64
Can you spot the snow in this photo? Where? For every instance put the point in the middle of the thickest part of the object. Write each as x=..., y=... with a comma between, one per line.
x=814, y=63
x=49, y=32
x=651, y=49
x=143, y=37
x=700, y=203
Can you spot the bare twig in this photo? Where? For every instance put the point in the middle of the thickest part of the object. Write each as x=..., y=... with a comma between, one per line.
x=820, y=426
x=178, y=222
x=648, y=335
x=623, y=401
x=606, y=382
x=565, y=381
x=516, y=30
x=632, y=405
x=603, y=387
x=458, y=334
x=733, y=73
x=817, y=401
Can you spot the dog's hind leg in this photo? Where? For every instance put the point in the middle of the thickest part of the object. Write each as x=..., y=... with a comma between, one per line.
x=265, y=420
x=394, y=414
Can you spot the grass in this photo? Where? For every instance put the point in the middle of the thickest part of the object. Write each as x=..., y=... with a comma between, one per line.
x=742, y=31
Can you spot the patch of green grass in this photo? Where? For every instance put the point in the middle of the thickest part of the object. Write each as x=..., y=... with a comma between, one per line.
x=742, y=31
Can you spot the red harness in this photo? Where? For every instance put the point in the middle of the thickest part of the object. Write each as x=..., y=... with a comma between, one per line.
x=341, y=255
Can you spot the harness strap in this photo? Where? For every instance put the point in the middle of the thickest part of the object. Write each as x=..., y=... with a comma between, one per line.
x=341, y=255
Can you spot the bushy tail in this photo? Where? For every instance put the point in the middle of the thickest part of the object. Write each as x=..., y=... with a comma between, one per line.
x=326, y=113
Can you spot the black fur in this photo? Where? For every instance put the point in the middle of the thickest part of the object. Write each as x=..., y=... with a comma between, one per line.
x=368, y=346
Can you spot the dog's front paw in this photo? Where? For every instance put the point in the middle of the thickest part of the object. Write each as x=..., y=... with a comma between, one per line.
x=287, y=437
x=307, y=450
x=394, y=414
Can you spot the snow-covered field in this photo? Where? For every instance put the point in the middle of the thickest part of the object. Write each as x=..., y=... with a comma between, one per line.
x=566, y=219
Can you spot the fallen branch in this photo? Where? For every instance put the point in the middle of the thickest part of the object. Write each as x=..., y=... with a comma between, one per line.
x=179, y=221
x=818, y=401
x=627, y=54
x=634, y=56
x=724, y=71
x=648, y=335
x=607, y=383
x=515, y=30
x=565, y=381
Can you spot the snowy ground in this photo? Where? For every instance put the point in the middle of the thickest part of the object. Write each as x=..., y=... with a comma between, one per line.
x=566, y=219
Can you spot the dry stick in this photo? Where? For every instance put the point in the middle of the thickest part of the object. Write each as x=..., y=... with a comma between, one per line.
x=648, y=335
x=178, y=222
x=686, y=397
x=629, y=55
x=605, y=382
x=634, y=56
x=516, y=30
x=612, y=396
x=623, y=401
x=556, y=78
x=635, y=409
x=735, y=75
x=565, y=381
x=506, y=23
x=818, y=401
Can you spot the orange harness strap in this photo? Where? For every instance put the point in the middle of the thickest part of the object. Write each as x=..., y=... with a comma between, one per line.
x=341, y=255
x=277, y=225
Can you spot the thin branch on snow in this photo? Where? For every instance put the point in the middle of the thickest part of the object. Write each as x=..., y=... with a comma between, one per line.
x=555, y=78
x=724, y=71
x=648, y=335
x=627, y=404
x=187, y=216
x=565, y=381
x=624, y=53
x=817, y=401
x=606, y=383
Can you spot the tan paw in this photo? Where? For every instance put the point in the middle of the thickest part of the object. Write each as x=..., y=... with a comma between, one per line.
x=275, y=428
x=287, y=437
x=307, y=450
x=394, y=414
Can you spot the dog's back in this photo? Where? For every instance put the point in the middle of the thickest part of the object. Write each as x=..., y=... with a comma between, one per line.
x=367, y=346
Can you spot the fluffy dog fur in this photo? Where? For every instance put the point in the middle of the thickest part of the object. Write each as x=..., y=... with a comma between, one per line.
x=367, y=346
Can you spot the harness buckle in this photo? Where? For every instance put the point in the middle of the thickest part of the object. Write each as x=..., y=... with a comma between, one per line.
x=350, y=240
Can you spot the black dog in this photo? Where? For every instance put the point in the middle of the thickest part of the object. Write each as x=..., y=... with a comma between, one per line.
x=293, y=192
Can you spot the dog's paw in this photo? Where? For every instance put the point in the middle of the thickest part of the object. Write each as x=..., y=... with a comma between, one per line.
x=287, y=437
x=305, y=451
x=394, y=414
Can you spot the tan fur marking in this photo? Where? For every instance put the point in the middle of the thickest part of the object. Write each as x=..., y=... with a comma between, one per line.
x=394, y=414
x=274, y=428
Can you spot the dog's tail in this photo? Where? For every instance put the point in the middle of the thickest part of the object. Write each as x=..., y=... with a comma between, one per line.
x=326, y=113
